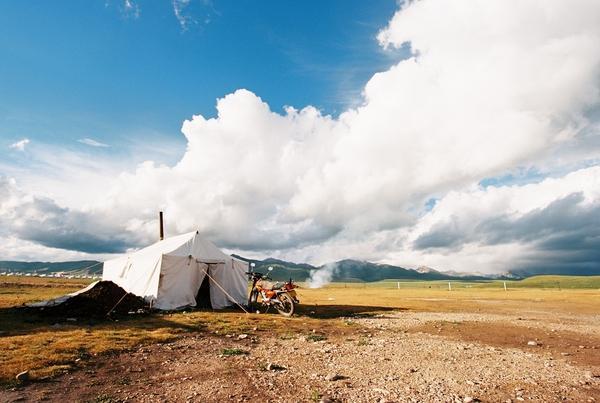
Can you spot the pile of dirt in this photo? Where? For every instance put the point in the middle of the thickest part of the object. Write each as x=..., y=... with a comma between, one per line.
x=97, y=302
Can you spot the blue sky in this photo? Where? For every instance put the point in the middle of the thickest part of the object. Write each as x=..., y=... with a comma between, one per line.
x=459, y=135
x=99, y=70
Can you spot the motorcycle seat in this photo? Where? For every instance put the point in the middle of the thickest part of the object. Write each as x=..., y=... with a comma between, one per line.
x=267, y=285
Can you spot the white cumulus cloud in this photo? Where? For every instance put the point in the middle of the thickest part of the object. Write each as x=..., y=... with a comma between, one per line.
x=553, y=225
x=19, y=145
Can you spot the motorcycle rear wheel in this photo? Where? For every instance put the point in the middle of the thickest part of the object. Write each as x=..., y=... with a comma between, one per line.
x=286, y=308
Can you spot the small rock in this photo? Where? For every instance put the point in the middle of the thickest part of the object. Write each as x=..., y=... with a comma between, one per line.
x=468, y=399
x=274, y=367
x=242, y=336
x=532, y=343
x=326, y=399
x=22, y=376
x=333, y=377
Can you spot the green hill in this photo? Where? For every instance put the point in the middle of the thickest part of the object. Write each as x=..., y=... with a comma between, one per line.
x=282, y=270
x=558, y=282
x=348, y=270
x=352, y=270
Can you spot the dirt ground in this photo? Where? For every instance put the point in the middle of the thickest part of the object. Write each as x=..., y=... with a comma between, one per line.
x=393, y=356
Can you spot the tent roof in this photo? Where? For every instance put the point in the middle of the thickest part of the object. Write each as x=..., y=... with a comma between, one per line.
x=183, y=245
x=167, y=245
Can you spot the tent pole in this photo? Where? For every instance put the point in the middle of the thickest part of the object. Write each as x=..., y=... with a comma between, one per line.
x=160, y=223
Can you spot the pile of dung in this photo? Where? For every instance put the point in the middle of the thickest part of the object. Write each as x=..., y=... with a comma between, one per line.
x=98, y=301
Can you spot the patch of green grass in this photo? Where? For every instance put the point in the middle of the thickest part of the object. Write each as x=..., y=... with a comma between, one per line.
x=262, y=366
x=287, y=336
x=316, y=337
x=104, y=398
x=349, y=322
x=364, y=341
x=233, y=351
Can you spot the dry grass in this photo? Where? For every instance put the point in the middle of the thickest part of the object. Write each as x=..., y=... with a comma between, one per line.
x=15, y=291
x=494, y=300
x=49, y=346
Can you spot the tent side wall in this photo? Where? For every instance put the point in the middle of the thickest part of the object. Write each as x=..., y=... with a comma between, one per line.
x=231, y=276
x=180, y=280
x=138, y=276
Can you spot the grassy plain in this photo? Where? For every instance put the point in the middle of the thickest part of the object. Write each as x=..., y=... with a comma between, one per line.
x=47, y=346
x=544, y=282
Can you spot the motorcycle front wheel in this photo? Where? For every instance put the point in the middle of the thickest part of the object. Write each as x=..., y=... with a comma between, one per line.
x=255, y=304
x=286, y=308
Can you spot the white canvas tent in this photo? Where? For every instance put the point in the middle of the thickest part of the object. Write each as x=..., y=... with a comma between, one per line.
x=170, y=273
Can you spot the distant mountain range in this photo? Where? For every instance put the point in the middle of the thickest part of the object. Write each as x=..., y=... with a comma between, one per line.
x=347, y=270
x=80, y=267
x=350, y=270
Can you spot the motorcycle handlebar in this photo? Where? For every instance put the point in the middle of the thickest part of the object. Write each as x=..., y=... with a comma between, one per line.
x=258, y=275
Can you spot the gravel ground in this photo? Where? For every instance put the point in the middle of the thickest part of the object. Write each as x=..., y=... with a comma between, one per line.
x=396, y=357
x=584, y=324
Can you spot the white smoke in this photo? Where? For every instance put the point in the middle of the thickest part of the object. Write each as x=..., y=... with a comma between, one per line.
x=322, y=276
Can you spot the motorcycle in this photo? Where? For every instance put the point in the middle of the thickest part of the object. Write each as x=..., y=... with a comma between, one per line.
x=264, y=294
